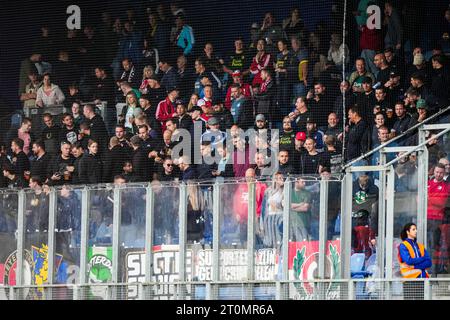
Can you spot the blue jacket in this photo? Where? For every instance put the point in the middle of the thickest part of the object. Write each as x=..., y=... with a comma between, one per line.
x=186, y=39
x=418, y=263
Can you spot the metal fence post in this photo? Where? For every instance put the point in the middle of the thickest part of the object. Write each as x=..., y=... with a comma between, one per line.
x=20, y=237
x=84, y=236
x=427, y=293
x=251, y=231
x=422, y=190
x=351, y=289
x=208, y=291
x=346, y=224
x=390, y=196
x=51, y=235
x=116, y=234
x=216, y=232
x=286, y=223
x=381, y=245
x=182, y=237
x=323, y=226
x=149, y=214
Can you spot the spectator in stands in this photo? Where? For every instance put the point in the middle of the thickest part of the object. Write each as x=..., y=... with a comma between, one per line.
x=418, y=66
x=103, y=90
x=394, y=29
x=440, y=81
x=77, y=113
x=155, y=93
x=393, y=88
x=129, y=113
x=438, y=201
x=69, y=131
x=299, y=67
x=240, y=107
x=282, y=78
x=241, y=156
x=381, y=99
x=13, y=179
x=166, y=108
x=184, y=38
x=147, y=72
x=40, y=162
x=130, y=46
x=319, y=103
x=19, y=160
x=50, y=134
x=334, y=128
x=293, y=25
x=61, y=167
x=77, y=152
x=331, y=158
x=380, y=120
x=260, y=62
x=370, y=41
x=224, y=116
x=114, y=160
x=418, y=83
x=159, y=33
x=186, y=77
x=402, y=123
x=270, y=31
x=212, y=62
x=213, y=133
x=366, y=100
x=141, y=164
x=29, y=95
x=266, y=98
x=188, y=172
x=183, y=120
x=129, y=74
x=284, y=166
x=300, y=211
x=239, y=59
x=357, y=77
x=90, y=165
x=28, y=66
x=170, y=76
x=204, y=78
x=24, y=133
x=311, y=159
x=338, y=50
x=238, y=80
x=123, y=138
x=315, y=134
x=273, y=219
x=383, y=69
x=49, y=94
x=64, y=71
x=167, y=171
x=98, y=131
x=356, y=143
x=74, y=94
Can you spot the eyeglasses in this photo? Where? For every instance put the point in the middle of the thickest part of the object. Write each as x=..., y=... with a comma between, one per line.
x=169, y=164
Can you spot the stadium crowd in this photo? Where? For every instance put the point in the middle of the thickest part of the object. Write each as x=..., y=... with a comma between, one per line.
x=287, y=78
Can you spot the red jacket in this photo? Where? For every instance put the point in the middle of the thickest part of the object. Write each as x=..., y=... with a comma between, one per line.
x=164, y=112
x=255, y=68
x=370, y=39
x=438, y=193
x=240, y=200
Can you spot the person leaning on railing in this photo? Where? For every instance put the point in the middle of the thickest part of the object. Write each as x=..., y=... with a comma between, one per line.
x=414, y=260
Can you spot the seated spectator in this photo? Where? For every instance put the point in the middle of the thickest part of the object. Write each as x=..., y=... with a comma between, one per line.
x=30, y=94
x=129, y=74
x=49, y=94
x=380, y=120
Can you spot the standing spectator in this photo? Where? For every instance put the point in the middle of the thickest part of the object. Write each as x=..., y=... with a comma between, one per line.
x=238, y=80
x=204, y=78
x=366, y=100
x=287, y=136
x=331, y=158
x=13, y=180
x=159, y=33
x=266, y=98
x=155, y=93
x=167, y=171
x=185, y=77
x=61, y=167
x=40, y=162
x=114, y=161
x=90, y=165
x=293, y=25
x=19, y=159
x=170, y=76
x=311, y=159
x=270, y=31
x=69, y=131
x=300, y=114
x=320, y=103
x=129, y=73
x=339, y=101
x=24, y=133
x=212, y=62
x=357, y=77
x=104, y=91
x=402, y=123
x=64, y=72
x=166, y=108
x=238, y=60
x=28, y=66
x=284, y=166
x=141, y=163
x=383, y=69
x=300, y=211
x=438, y=201
x=49, y=94
x=188, y=172
x=50, y=134
x=29, y=95
x=184, y=38
x=370, y=42
x=283, y=81
x=356, y=143
x=273, y=219
x=440, y=81
x=98, y=131
x=393, y=88
x=129, y=113
x=241, y=107
x=299, y=67
x=241, y=156
x=260, y=62
x=77, y=113
x=394, y=29
x=77, y=152
x=338, y=50
x=334, y=128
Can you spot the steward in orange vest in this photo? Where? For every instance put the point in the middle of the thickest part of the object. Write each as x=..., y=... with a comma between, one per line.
x=413, y=258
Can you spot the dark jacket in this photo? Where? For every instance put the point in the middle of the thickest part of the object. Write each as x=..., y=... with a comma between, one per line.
x=104, y=90
x=39, y=167
x=21, y=163
x=114, y=160
x=141, y=165
x=265, y=103
x=99, y=133
x=189, y=174
x=169, y=79
x=58, y=164
x=356, y=140
x=90, y=169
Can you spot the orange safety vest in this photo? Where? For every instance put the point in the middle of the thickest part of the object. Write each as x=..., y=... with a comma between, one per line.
x=408, y=271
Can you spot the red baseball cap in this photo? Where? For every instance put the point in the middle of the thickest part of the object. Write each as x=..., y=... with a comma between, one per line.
x=236, y=73
x=300, y=136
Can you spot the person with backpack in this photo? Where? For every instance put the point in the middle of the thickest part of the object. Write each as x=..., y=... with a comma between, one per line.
x=414, y=261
